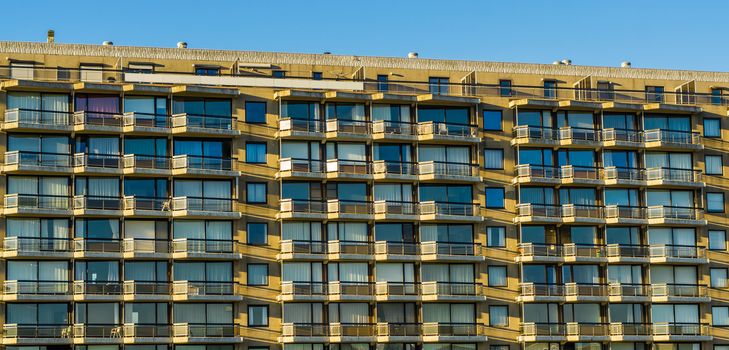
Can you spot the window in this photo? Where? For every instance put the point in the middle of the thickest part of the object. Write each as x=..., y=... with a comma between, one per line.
x=255, y=112
x=257, y=233
x=438, y=86
x=256, y=192
x=720, y=316
x=718, y=277
x=717, y=239
x=144, y=68
x=316, y=75
x=209, y=71
x=712, y=127
x=493, y=158
x=715, y=202
x=716, y=98
x=257, y=274
x=498, y=347
x=498, y=316
x=91, y=72
x=654, y=93
x=505, y=88
x=21, y=70
x=256, y=152
x=492, y=120
x=495, y=197
x=496, y=237
x=605, y=91
x=714, y=165
x=382, y=83
x=257, y=316
x=497, y=276
x=278, y=74
x=550, y=89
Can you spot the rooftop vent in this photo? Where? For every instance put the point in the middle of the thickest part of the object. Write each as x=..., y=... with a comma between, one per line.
x=51, y=37
x=567, y=62
x=327, y=53
x=412, y=55
x=556, y=63
x=181, y=45
x=107, y=43
x=625, y=64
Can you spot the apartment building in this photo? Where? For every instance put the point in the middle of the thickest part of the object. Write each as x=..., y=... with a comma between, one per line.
x=185, y=199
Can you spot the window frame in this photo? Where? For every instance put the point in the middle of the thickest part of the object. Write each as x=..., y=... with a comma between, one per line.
x=248, y=274
x=723, y=203
x=248, y=233
x=703, y=124
x=501, y=119
x=248, y=315
x=491, y=320
x=265, y=111
x=502, y=230
x=265, y=192
x=503, y=197
x=505, y=88
x=256, y=144
x=708, y=234
x=506, y=274
x=721, y=164
x=500, y=150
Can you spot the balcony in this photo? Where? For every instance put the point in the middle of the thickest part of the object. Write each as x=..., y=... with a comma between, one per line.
x=146, y=333
x=457, y=212
x=579, y=137
x=97, y=291
x=394, y=171
x=583, y=214
x=33, y=290
x=537, y=332
x=84, y=205
x=36, y=334
x=299, y=168
x=447, y=133
x=303, y=291
x=677, y=254
x=394, y=130
x=398, y=332
x=670, y=292
x=146, y=291
x=205, y=333
x=395, y=210
x=205, y=208
x=97, y=248
x=135, y=206
x=663, y=215
x=188, y=165
x=304, y=332
x=621, y=176
x=612, y=137
x=346, y=129
x=302, y=209
x=448, y=172
x=397, y=291
x=625, y=215
x=664, y=331
x=673, y=177
x=442, y=332
x=626, y=253
x=351, y=332
x=587, y=331
x=350, y=291
x=97, y=164
x=577, y=292
x=540, y=292
x=145, y=248
x=26, y=247
x=205, y=291
x=135, y=164
x=97, y=333
x=628, y=293
x=146, y=123
x=37, y=163
x=190, y=248
x=451, y=251
x=536, y=252
x=349, y=210
x=203, y=125
x=289, y=128
x=620, y=331
x=538, y=213
x=535, y=136
x=302, y=250
x=672, y=140
x=342, y=169
x=537, y=174
x=22, y=119
x=452, y=291
x=584, y=253
x=37, y=204
x=580, y=175
x=97, y=122
x=349, y=250
x=397, y=251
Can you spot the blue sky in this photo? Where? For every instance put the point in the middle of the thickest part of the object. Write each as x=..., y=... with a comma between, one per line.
x=675, y=34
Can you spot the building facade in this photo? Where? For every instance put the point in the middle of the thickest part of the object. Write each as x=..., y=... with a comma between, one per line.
x=233, y=200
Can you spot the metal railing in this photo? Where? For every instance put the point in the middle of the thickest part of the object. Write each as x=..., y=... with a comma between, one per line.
x=396, y=207
x=349, y=126
x=40, y=159
x=539, y=210
x=312, y=166
x=350, y=288
x=289, y=246
x=300, y=125
x=580, y=172
x=585, y=289
x=147, y=203
x=92, y=118
x=145, y=245
x=624, y=135
x=672, y=137
x=583, y=250
x=388, y=329
x=147, y=162
x=673, y=174
x=97, y=202
x=391, y=127
x=450, y=248
x=97, y=288
x=147, y=120
x=447, y=168
x=92, y=245
x=538, y=171
x=349, y=247
x=452, y=288
x=36, y=117
x=306, y=288
x=542, y=329
x=584, y=211
x=540, y=250
x=675, y=213
x=288, y=205
x=394, y=168
x=617, y=289
x=452, y=329
x=36, y=287
x=186, y=161
x=453, y=209
x=634, y=329
x=36, y=331
x=577, y=134
x=680, y=329
x=397, y=248
x=346, y=166
x=202, y=121
x=622, y=173
x=624, y=212
x=203, y=288
x=676, y=251
x=541, y=290
x=388, y=288
x=97, y=330
x=627, y=251
x=37, y=201
x=92, y=160
x=36, y=245
x=337, y=329
x=205, y=330
x=142, y=330
x=587, y=329
x=204, y=246
x=678, y=290
x=540, y=133
x=146, y=288
x=203, y=204
x=305, y=329
x=340, y=206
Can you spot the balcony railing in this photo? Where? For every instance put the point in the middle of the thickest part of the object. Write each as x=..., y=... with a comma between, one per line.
x=36, y=331
x=585, y=289
x=300, y=125
x=191, y=162
x=213, y=122
x=387, y=329
x=539, y=210
x=141, y=330
x=339, y=206
x=539, y=250
x=289, y=246
x=303, y=288
x=348, y=166
x=92, y=118
x=577, y=134
x=97, y=330
x=305, y=329
x=396, y=207
x=580, y=172
x=452, y=209
x=396, y=288
x=312, y=166
x=203, y=288
x=37, y=201
x=622, y=173
x=543, y=329
x=530, y=289
x=303, y=206
x=447, y=129
x=583, y=250
x=145, y=245
x=147, y=162
x=452, y=329
x=676, y=251
x=147, y=120
x=537, y=133
x=92, y=160
x=625, y=212
x=203, y=246
x=587, y=329
x=344, y=288
x=90, y=245
x=673, y=174
x=675, y=213
x=680, y=329
x=627, y=251
x=616, y=289
x=624, y=135
x=205, y=330
x=397, y=248
x=349, y=247
x=37, y=117
x=36, y=245
x=538, y=171
x=337, y=329
x=630, y=329
x=673, y=137
x=447, y=168
x=678, y=290
x=450, y=248
x=349, y=126
x=38, y=159
x=147, y=288
x=97, y=288
x=394, y=168
x=391, y=127
x=582, y=211
x=97, y=202
x=36, y=287
x=147, y=203
x=225, y=205
x=471, y=289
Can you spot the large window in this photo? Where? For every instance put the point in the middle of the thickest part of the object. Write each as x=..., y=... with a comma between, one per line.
x=493, y=120
x=496, y=276
x=712, y=127
x=496, y=237
x=148, y=111
x=41, y=108
x=47, y=314
x=438, y=86
x=256, y=192
x=495, y=197
x=257, y=233
x=258, y=316
x=720, y=316
x=257, y=274
x=714, y=202
x=255, y=112
x=714, y=164
x=201, y=313
x=493, y=158
x=449, y=313
x=498, y=316
x=256, y=152
x=718, y=277
x=717, y=239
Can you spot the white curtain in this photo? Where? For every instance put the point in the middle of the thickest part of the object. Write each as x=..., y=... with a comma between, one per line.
x=680, y=160
x=718, y=278
x=687, y=313
x=686, y=275
x=303, y=313
x=347, y=231
x=219, y=230
x=352, y=272
x=457, y=154
x=302, y=272
x=390, y=272
x=351, y=151
x=461, y=273
x=188, y=271
x=298, y=150
x=143, y=229
x=188, y=313
x=55, y=186
x=25, y=100
x=662, y=274
x=103, y=145
x=103, y=187
x=586, y=313
x=23, y=184
x=17, y=227
x=217, y=189
x=435, y=273
x=301, y=231
x=22, y=270
x=354, y=313
x=55, y=271
x=394, y=192
x=662, y=313
x=188, y=188
x=431, y=153
x=684, y=236
x=188, y=229
x=493, y=158
x=219, y=271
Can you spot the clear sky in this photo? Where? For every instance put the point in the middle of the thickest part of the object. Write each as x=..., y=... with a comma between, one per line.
x=675, y=34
